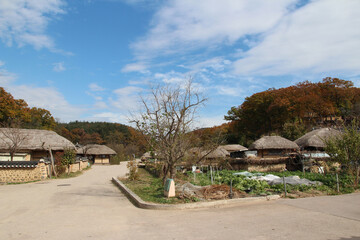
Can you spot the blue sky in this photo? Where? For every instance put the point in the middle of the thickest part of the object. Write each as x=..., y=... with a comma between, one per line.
x=91, y=59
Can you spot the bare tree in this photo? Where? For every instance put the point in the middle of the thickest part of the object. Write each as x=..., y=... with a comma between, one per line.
x=168, y=117
x=12, y=138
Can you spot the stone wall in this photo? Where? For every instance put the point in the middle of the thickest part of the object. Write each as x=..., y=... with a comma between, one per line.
x=261, y=168
x=78, y=166
x=18, y=175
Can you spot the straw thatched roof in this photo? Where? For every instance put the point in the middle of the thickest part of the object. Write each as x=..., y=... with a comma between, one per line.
x=96, y=149
x=233, y=148
x=273, y=142
x=34, y=139
x=316, y=137
x=219, y=152
x=147, y=155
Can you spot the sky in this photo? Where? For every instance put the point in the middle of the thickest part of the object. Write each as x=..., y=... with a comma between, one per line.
x=90, y=60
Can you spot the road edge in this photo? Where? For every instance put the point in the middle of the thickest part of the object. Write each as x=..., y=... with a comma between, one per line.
x=138, y=202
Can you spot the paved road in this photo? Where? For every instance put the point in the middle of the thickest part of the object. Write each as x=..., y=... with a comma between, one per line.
x=90, y=207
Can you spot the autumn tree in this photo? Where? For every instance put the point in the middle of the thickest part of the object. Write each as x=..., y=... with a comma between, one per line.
x=306, y=103
x=167, y=118
x=17, y=110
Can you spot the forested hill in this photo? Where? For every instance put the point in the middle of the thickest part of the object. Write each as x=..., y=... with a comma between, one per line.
x=125, y=140
x=290, y=111
x=104, y=129
x=84, y=132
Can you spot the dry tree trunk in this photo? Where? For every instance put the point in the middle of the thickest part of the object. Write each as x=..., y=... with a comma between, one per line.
x=52, y=162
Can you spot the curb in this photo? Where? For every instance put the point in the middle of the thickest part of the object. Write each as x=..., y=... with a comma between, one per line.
x=137, y=201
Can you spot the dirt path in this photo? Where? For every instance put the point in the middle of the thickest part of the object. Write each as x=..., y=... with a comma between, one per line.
x=90, y=207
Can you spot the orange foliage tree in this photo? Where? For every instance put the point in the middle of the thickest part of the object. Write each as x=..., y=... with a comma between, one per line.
x=305, y=103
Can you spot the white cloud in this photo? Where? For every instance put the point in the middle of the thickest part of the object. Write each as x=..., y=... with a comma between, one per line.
x=25, y=21
x=229, y=91
x=110, y=117
x=100, y=105
x=170, y=77
x=48, y=98
x=59, y=67
x=215, y=64
x=43, y=97
x=95, y=87
x=6, y=77
x=210, y=121
x=323, y=36
x=182, y=25
x=135, y=67
x=127, y=98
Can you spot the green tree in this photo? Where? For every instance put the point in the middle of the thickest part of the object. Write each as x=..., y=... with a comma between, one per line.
x=68, y=158
x=293, y=130
x=345, y=149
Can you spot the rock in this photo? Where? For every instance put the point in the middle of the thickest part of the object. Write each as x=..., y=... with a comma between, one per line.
x=189, y=190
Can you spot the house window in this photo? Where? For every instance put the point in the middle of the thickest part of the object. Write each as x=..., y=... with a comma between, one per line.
x=17, y=157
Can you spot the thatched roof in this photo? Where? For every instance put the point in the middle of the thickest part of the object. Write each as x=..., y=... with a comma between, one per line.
x=315, y=138
x=219, y=152
x=34, y=139
x=96, y=149
x=233, y=148
x=273, y=142
x=146, y=155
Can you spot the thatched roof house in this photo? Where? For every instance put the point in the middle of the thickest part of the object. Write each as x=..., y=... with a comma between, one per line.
x=96, y=149
x=217, y=153
x=273, y=142
x=233, y=148
x=34, y=139
x=314, y=140
x=273, y=145
x=146, y=155
x=149, y=155
x=33, y=144
x=209, y=154
x=98, y=154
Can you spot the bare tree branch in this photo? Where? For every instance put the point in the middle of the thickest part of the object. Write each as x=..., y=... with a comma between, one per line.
x=167, y=119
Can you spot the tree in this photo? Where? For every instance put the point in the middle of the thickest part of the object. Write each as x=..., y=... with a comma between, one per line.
x=324, y=103
x=68, y=158
x=293, y=130
x=167, y=119
x=13, y=138
x=17, y=110
x=345, y=149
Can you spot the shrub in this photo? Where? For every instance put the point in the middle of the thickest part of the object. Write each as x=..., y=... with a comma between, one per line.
x=133, y=170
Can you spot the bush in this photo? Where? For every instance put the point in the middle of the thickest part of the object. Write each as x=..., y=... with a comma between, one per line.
x=154, y=169
x=133, y=170
x=115, y=160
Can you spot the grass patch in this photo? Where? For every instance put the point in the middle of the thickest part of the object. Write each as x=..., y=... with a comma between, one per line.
x=16, y=183
x=150, y=188
x=72, y=174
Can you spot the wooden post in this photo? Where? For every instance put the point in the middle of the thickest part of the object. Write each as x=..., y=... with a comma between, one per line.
x=284, y=186
x=337, y=183
x=52, y=161
x=211, y=174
